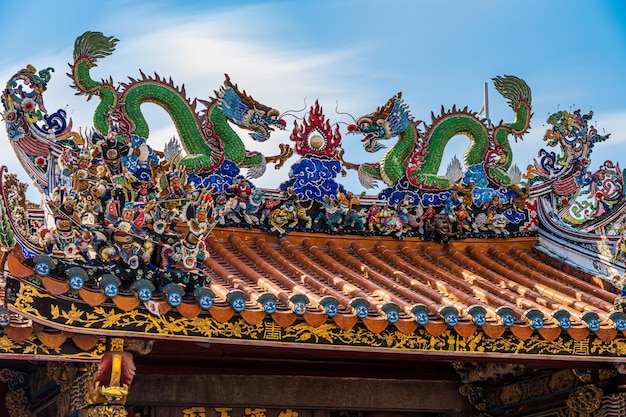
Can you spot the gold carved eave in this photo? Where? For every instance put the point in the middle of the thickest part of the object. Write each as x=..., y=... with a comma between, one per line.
x=36, y=347
x=108, y=320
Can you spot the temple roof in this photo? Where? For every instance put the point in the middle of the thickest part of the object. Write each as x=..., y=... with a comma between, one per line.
x=408, y=277
x=132, y=242
x=494, y=287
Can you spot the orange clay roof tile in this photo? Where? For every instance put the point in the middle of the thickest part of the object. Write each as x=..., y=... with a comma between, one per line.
x=395, y=282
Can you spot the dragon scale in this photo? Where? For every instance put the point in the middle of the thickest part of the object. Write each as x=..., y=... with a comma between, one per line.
x=234, y=149
x=441, y=133
x=392, y=166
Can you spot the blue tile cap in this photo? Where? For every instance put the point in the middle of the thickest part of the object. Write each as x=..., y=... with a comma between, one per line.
x=450, y=315
x=360, y=306
x=298, y=303
x=535, y=316
x=330, y=304
x=562, y=316
x=204, y=297
x=143, y=288
x=44, y=264
x=76, y=277
x=5, y=317
x=392, y=311
x=479, y=315
x=268, y=302
x=591, y=318
x=507, y=315
x=420, y=312
x=174, y=294
x=237, y=300
x=619, y=320
x=110, y=285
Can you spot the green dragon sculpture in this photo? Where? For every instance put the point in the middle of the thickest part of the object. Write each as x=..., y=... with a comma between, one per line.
x=207, y=138
x=419, y=155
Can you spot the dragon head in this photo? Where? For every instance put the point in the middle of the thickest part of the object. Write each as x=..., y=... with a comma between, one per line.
x=384, y=123
x=248, y=113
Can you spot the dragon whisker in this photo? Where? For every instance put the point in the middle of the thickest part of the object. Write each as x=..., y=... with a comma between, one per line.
x=344, y=113
x=289, y=112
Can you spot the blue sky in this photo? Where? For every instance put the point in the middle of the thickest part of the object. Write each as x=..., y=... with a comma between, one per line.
x=350, y=54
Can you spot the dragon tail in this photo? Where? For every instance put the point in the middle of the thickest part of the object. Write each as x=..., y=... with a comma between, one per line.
x=88, y=48
x=94, y=46
x=514, y=89
x=517, y=92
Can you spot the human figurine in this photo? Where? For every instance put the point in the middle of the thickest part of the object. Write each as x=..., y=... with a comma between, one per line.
x=347, y=205
x=67, y=223
x=373, y=217
x=86, y=244
x=83, y=173
x=174, y=192
x=145, y=190
x=403, y=207
x=462, y=218
x=385, y=214
x=492, y=206
x=450, y=205
x=175, y=187
x=427, y=217
x=242, y=191
x=267, y=206
x=131, y=244
x=111, y=149
x=198, y=227
x=289, y=194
